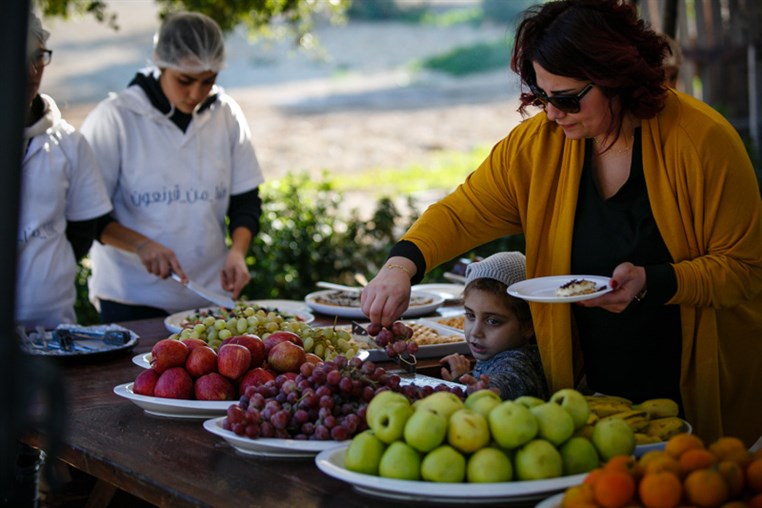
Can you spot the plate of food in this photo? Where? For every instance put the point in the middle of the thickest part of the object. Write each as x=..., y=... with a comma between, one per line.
x=346, y=304
x=268, y=447
x=174, y=408
x=331, y=462
x=77, y=341
x=450, y=292
x=434, y=341
x=561, y=288
x=455, y=321
x=289, y=309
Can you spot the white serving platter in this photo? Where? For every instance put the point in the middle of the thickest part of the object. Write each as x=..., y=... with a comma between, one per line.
x=377, y=354
x=450, y=292
x=174, y=408
x=543, y=289
x=268, y=447
x=174, y=322
x=356, y=312
x=331, y=462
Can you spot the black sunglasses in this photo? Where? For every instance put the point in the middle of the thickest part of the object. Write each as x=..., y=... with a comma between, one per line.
x=568, y=103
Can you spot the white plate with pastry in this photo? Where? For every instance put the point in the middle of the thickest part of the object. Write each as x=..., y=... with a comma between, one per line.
x=561, y=288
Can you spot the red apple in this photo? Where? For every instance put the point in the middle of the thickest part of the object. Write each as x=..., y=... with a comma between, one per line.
x=194, y=343
x=145, y=382
x=233, y=360
x=214, y=386
x=255, y=345
x=286, y=357
x=281, y=336
x=168, y=353
x=255, y=377
x=312, y=358
x=174, y=383
x=201, y=360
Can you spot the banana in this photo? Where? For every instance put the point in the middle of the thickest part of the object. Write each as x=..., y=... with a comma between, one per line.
x=643, y=439
x=606, y=405
x=585, y=431
x=664, y=428
x=592, y=418
x=637, y=420
x=658, y=408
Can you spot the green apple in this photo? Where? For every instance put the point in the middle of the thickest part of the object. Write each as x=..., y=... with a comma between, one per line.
x=382, y=399
x=443, y=403
x=613, y=437
x=468, y=430
x=489, y=465
x=483, y=401
x=574, y=403
x=555, y=423
x=512, y=424
x=538, y=460
x=443, y=464
x=578, y=455
x=425, y=430
x=389, y=421
x=364, y=453
x=529, y=401
x=400, y=461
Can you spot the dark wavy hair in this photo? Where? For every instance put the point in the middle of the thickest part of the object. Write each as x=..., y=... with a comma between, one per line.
x=601, y=41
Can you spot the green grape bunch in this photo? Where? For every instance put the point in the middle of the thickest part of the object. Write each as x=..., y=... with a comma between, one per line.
x=325, y=342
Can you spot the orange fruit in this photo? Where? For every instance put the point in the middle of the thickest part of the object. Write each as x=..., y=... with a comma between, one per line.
x=593, y=475
x=578, y=496
x=696, y=458
x=614, y=489
x=662, y=489
x=756, y=501
x=734, y=475
x=663, y=462
x=705, y=488
x=730, y=448
x=754, y=475
x=625, y=463
x=679, y=443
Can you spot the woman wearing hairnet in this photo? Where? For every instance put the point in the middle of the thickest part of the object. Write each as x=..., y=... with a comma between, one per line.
x=176, y=156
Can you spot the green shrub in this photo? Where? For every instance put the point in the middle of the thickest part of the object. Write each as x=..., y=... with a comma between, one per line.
x=479, y=57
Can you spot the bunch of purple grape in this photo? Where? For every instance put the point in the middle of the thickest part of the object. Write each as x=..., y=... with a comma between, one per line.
x=394, y=339
x=325, y=401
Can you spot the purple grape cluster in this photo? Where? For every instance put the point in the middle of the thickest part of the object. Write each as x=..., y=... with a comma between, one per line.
x=394, y=339
x=325, y=401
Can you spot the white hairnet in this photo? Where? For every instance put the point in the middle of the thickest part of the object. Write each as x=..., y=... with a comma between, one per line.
x=36, y=30
x=189, y=42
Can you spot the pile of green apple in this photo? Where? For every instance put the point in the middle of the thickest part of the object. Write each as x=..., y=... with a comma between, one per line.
x=441, y=438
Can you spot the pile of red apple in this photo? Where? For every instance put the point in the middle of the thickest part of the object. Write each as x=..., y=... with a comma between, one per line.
x=190, y=369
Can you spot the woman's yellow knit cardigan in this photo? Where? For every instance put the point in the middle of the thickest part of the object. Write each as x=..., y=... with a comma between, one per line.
x=706, y=202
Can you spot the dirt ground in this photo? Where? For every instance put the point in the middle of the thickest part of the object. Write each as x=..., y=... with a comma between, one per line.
x=360, y=106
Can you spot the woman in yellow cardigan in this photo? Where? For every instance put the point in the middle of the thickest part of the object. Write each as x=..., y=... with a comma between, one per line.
x=624, y=178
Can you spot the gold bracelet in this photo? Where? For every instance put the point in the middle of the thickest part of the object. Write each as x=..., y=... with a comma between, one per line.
x=399, y=267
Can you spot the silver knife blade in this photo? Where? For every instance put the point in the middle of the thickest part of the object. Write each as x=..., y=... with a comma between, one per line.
x=215, y=298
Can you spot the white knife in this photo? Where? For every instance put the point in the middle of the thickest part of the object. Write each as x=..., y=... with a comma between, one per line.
x=215, y=298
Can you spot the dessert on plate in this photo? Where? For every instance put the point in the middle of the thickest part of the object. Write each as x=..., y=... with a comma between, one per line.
x=577, y=287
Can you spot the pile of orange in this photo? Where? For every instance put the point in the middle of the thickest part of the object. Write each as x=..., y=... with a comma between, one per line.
x=685, y=473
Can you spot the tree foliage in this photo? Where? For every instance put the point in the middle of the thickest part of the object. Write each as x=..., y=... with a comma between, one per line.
x=261, y=17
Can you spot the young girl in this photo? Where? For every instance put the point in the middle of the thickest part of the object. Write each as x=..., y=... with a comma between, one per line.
x=499, y=331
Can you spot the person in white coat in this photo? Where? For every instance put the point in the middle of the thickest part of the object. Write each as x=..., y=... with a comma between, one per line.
x=177, y=158
x=62, y=197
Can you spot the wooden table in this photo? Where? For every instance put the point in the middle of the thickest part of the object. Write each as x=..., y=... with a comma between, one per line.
x=173, y=462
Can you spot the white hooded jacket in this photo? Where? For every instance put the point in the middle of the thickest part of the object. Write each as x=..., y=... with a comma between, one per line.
x=173, y=187
x=60, y=182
